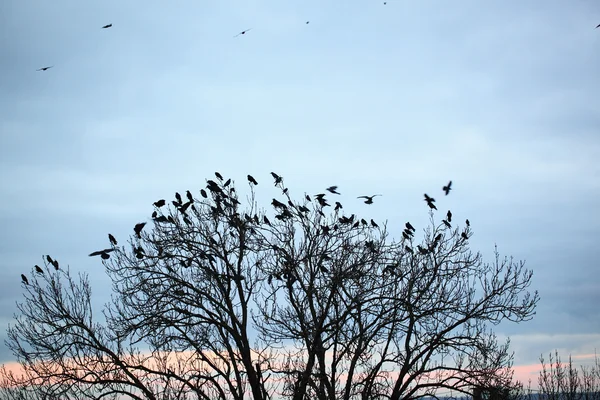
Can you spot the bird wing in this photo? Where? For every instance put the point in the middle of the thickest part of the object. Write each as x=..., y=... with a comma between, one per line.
x=362, y=197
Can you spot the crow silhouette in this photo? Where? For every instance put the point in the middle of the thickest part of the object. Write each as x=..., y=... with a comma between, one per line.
x=410, y=227
x=278, y=204
x=203, y=193
x=101, y=252
x=464, y=235
x=178, y=197
x=338, y=205
x=266, y=220
x=307, y=197
x=449, y=216
x=447, y=224
x=468, y=223
x=598, y=26
x=39, y=270
x=45, y=68
x=24, y=279
x=49, y=259
x=227, y=183
x=374, y=224
x=243, y=32
x=112, y=239
x=409, y=249
x=219, y=176
x=252, y=180
x=332, y=189
x=106, y=26
x=447, y=188
x=138, y=229
x=159, y=203
x=277, y=178
x=429, y=199
x=189, y=196
x=369, y=199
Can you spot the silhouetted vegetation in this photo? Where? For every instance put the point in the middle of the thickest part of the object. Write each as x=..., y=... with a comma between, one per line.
x=218, y=302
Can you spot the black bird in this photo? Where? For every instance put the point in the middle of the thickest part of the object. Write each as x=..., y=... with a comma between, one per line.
x=447, y=188
x=464, y=235
x=307, y=197
x=447, y=224
x=106, y=26
x=49, y=259
x=159, y=203
x=449, y=216
x=266, y=220
x=138, y=229
x=338, y=205
x=243, y=32
x=219, y=176
x=468, y=223
x=277, y=178
x=45, y=68
x=332, y=189
x=429, y=199
x=189, y=196
x=203, y=193
x=277, y=203
x=369, y=199
x=178, y=197
x=39, y=270
x=598, y=26
x=409, y=249
x=112, y=239
x=101, y=252
x=252, y=180
x=374, y=224
x=24, y=279
x=405, y=235
x=227, y=183
x=410, y=227
x=307, y=22
x=422, y=250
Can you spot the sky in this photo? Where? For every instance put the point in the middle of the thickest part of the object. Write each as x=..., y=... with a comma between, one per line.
x=397, y=99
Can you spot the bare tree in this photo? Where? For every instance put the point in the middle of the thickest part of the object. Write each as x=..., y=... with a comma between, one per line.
x=563, y=381
x=215, y=302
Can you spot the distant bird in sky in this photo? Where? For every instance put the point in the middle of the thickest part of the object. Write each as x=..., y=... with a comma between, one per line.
x=106, y=26
x=243, y=32
x=307, y=22
x=332, y=189
x=45, y=68
x=102, y=253
x=369, y=199
x=598, y=26
x=447, y=188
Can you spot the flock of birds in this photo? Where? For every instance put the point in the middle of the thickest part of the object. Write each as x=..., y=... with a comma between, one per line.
x=284, y=212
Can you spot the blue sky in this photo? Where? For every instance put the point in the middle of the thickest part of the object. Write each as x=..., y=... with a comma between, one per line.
x=394, y=99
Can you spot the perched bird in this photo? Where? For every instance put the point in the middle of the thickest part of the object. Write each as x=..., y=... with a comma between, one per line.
x=159, y=203
x=45, y=68
x=24, y=279
x=468, y=223
x=252, y=180
x=409, y=249
x=112, y=239
x=138, y=229
x=307, y=197
x=374, y=224
x=332, y=189
x=219, y=176
x=277, y=203
x=277, y=178
x=178, y=197
x=39, y=270
x=338, y=205
x=369, y=199
x=449, y=216
x=189, y=196
x=227, y=183
x=447, y=224
x=464, y=235
x=447, y=188
x=203, y=193
x=243, y=32
x=49, y=259
x=410, y=227
x=106, y=26
x=266, y=220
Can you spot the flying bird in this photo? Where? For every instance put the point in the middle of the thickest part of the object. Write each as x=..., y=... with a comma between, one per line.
x=307, y=22
x=332, y=189
x=243, y=32
x=138, y=229
x=112, y=239
x=277, y=178
x=45, y=68
x=106, y=26
x=252, y=180
x=24, y=279
x=102, y=253
x=369, y=199
x=447, y=188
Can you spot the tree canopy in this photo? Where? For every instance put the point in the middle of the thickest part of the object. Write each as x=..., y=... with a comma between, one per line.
x=298, y=300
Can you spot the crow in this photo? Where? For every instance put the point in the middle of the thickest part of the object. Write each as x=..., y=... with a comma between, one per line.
x=112, y=239
x=266, y=220
x=598, y=26
x=159, y=203
x=409, y=249
x=449, y=216
x=101, y=252
x=369, y=199
x=107, y=26
x=447, y=224
x=39, y=270
x=374, y=224
x=138, y=229
x=464, y=235
x=189, y=196
x=49, y=259
x=338, y=205
x=227, y=183
x=468, y=223
x=277, y=178
x=410, y=227
x=243, y=32
x=203, y=193
x=45, y=68
x=332, y=189
x=277, y=203
x=24, y=279
x=447, y=188
x=219, y=176
x=429, y=199
x=252, y=180
x=178, y=197
x=307, y=197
